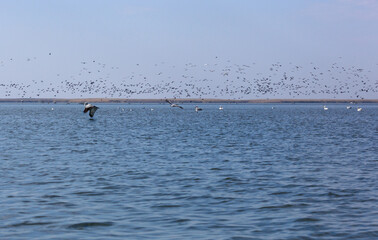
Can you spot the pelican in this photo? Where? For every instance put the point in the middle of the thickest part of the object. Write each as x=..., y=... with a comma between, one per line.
x=220, y=108
x=91, y=108
x=173, y=105
x=349, y=107
x=359, y=109
x=198, y=109
x=325, y=108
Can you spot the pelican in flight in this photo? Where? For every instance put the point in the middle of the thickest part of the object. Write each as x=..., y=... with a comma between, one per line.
x=173, y=104
x=91, y=108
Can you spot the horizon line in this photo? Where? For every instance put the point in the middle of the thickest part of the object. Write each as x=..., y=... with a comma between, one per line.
x=185, y=100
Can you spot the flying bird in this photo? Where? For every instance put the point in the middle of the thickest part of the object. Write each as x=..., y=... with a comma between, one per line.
x=173, y=104
x=91, y=108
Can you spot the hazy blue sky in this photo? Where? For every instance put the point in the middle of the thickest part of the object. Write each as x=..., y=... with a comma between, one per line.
x=125, y=33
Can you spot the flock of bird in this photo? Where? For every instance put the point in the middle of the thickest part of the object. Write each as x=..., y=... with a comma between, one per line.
x=92, y=108
x=216, y=79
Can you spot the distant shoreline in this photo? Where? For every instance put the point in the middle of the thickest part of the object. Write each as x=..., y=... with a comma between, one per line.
x=182, y=100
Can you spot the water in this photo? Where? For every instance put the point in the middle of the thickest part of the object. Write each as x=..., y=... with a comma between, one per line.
x=247, y=172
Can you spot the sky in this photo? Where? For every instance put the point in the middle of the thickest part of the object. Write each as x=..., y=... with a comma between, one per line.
x=46, y=44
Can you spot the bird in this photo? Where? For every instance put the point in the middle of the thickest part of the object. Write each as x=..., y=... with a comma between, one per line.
x=198, y=109
x=348, y=107
x=325, y=108
x=91, y=108
x=220, y=108
x=359, y=109
x=173, y=104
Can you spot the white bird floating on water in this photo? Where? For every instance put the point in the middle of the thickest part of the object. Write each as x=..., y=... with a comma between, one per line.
x=198, y=109
x=91, y=108
x=220, y=108
x=359, y=109
x=349, y=107
x=325, y=108
x=173, y=104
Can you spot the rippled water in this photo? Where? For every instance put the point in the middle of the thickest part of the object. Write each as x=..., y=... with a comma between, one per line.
x=247, y=172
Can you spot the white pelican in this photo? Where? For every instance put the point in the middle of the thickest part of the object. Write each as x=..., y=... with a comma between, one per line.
x=325, y=108
x=220, y=108
x=173, y=105
x=198, y=109
x=91, y=108
x=359, y=109
x=349, y=107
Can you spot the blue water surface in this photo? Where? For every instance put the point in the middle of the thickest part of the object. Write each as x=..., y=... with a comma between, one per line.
x=245, y=172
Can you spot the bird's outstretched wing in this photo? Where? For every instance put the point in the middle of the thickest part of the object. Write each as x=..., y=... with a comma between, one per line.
x=86, y=110
x=92, y=111
x=180, y=107
x=168, y=101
